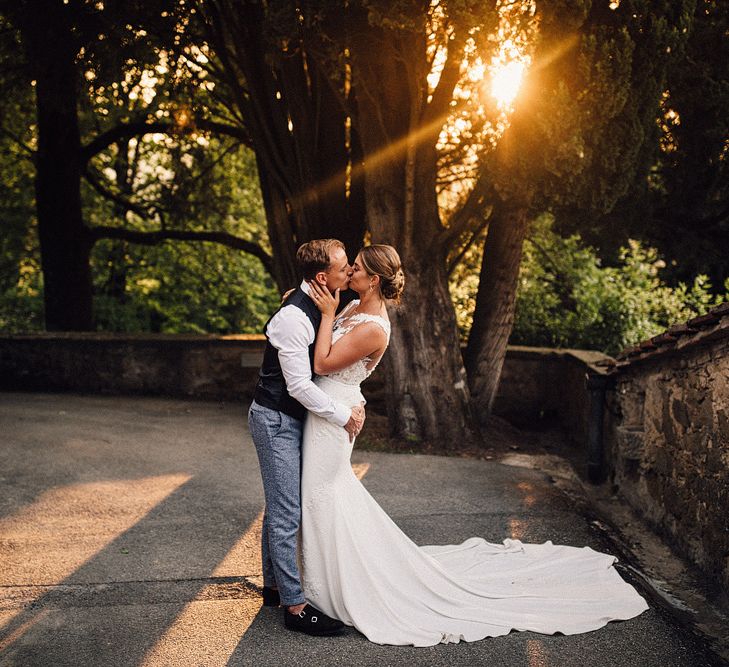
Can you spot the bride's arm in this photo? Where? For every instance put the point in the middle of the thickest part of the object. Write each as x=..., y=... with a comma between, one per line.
x=364, y=340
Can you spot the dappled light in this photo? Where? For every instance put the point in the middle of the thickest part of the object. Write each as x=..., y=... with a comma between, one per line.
x=516, y=528
x=527, y=488
x=537, y=653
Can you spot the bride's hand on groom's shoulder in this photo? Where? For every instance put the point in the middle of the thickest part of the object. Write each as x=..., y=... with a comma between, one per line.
x=325, y=301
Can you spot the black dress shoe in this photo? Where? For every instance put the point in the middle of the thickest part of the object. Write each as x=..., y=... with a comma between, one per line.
x=271, y=598
x=312, y=621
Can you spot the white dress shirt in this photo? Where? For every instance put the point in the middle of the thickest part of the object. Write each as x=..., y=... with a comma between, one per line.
x=290, y=331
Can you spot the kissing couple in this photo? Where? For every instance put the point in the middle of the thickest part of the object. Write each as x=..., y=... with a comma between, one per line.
x=331, y=555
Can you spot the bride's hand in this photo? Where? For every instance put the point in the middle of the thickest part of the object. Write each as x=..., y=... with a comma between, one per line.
x=325, y=301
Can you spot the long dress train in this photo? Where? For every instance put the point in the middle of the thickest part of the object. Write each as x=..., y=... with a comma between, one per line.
x=359, y=567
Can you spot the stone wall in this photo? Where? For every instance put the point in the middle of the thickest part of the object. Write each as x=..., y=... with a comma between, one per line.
x=536, y=383
x=667, y=438
x=211, y=367
x=549, y=384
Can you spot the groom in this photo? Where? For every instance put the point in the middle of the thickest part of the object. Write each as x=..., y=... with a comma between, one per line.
x=283, y=395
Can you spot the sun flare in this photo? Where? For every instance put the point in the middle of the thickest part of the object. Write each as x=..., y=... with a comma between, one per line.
x=506, y=80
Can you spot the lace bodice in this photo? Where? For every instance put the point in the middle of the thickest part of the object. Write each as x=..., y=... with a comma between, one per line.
x=343, y=324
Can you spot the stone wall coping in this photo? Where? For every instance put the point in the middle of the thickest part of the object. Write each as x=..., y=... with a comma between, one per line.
x=591, y=358
x=677, y=338
x=597, y=362
x=107, y=336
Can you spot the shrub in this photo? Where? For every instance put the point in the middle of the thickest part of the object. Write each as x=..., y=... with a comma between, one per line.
x=566, y=298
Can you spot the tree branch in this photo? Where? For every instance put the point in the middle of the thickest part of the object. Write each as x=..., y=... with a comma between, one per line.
x=466, y=246
x=461, y=219
x=142, y=127
x=19, y=141
x=155, y=238
x=145, y=213
x=439, y=106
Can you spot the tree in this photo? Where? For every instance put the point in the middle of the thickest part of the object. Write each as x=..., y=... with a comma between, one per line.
x=51, y=50
x=368, y=120
x=181, y=286
x=688, y=191
x=62, y=48
x=261, y=59
x=400, y=120
x=676, y=199
x=585, y=116
x=378, y=57
x=18, y=241
x=357, y=76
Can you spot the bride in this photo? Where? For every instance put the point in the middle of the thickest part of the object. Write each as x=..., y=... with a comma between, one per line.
x=359, y=567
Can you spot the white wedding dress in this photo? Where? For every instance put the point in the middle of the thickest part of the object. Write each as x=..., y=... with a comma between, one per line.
x=359, y=567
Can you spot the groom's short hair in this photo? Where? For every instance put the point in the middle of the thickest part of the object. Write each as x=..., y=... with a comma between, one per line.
x=314, y=256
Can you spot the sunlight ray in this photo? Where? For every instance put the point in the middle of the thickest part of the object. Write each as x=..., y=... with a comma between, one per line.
x=536, y=653
x=70, y=516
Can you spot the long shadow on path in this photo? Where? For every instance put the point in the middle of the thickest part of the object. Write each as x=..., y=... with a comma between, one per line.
x=146, y=512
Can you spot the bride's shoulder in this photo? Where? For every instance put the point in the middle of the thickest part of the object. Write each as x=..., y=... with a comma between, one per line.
x=376, y=322
x=349, y=307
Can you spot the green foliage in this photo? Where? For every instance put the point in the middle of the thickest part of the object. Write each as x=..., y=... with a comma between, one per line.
x=463, y=286
x=566, y=298
x=21, y=300
x=198, y=182
x=673, y=187
x=184, y=179
x=187, y=287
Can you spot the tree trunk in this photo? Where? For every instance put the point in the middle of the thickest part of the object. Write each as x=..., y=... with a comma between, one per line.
x=280, y=229
x=297, y=121
x=493, y=317
x=427, y=394
x=64, y=241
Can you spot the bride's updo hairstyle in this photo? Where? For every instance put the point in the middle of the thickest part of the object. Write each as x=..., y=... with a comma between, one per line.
x=383, y=260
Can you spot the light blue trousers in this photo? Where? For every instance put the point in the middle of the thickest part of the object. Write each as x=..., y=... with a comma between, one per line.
x=277, y=438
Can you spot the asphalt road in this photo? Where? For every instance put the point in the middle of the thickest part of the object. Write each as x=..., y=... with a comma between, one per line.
x=129, y=533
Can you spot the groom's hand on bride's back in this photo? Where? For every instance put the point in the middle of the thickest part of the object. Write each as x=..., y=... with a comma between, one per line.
x=356, y=421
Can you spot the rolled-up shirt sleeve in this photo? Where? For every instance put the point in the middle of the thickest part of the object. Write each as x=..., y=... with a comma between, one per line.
x=291, y=333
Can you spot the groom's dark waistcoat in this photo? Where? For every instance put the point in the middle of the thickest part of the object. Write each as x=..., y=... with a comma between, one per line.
x=271, y=387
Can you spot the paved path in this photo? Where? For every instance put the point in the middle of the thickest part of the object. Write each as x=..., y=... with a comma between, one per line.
x=129, y=536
